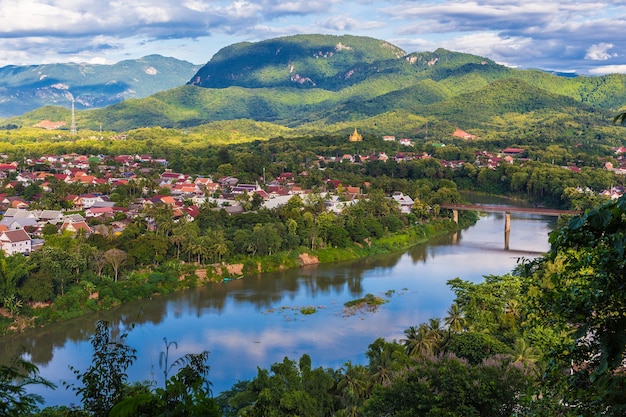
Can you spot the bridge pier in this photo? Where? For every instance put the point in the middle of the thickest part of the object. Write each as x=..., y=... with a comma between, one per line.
x=507, y=210
x=507, y=229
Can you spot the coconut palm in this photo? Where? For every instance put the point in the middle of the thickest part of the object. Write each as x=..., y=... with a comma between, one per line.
x=424, y=340
x=353, y=387
x=455, y=320
x=523, y=353
x=178, y=239
x=220, y=249
x=197, y=247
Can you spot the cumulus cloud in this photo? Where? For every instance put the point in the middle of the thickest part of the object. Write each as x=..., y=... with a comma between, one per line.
x=599, y=52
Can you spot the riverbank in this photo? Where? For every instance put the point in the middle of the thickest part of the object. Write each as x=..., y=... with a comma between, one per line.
x=175, y=275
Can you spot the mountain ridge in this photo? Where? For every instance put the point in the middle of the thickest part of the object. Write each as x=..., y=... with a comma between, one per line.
x=25, y=88
x=356, y=79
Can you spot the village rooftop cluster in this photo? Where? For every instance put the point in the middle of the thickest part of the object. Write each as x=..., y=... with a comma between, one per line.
x=93, y=211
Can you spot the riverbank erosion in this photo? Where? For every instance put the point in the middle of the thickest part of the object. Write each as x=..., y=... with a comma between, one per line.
x=175, y=275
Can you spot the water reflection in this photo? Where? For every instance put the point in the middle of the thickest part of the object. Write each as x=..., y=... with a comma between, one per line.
x=256, y=321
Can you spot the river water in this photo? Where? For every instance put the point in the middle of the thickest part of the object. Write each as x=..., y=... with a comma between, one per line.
x=256, y=321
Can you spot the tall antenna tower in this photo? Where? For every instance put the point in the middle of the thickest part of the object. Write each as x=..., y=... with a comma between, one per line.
x=73, y=125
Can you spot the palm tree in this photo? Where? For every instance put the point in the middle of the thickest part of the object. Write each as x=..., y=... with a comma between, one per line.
x=353, y=384
x=523, y=353
x=216, y=241
x=424, y=340
x=455, y=320
x=178, y=238
x=382, y=357
x=220, y=249
x=197, y=247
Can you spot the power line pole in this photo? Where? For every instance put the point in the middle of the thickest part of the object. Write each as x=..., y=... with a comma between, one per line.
x=73, y=125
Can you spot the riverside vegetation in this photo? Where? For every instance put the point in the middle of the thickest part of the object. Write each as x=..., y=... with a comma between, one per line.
x=525, y=343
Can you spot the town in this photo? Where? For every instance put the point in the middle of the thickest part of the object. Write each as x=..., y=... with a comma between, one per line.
x=92, y=203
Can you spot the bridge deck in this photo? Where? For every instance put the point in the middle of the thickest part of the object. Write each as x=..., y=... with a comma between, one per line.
x=508, y=209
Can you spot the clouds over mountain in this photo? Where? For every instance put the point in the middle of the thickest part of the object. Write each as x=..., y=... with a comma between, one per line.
x=568, y=35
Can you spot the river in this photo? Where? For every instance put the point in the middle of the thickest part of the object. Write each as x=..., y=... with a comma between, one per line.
x=256, y=321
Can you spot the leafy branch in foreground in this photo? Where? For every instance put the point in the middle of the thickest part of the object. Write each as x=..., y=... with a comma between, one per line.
x=578, y=289
x=103, y=384
x=186, y=393
x=14, y=380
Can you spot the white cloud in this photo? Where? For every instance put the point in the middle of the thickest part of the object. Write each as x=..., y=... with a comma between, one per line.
x=196, y=5
x=608, y=69
x=566, y=34
x=600, y=52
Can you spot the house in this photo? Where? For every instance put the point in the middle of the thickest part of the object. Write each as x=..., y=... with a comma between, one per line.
x=245, y=189
x=86, y=201
x=76, y=227
x=12, y=167
x=228, y=181
x=15, y=241
x=18, y=223
x=17, y=202
x=404, y=201
x=169, y=177
x=93, y=212
x=513, y=151
x=285, y=177
x=44, y=217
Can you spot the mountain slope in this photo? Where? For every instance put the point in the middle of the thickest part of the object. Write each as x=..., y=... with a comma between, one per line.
x=305, y=61
x=24, y=88
x=354, y=80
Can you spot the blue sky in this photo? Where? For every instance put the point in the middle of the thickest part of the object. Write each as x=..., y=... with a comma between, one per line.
x=587, y=37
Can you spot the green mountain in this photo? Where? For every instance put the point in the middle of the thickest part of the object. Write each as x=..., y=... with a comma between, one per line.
x=25, y=88
x=323, y=83
x=301, y=61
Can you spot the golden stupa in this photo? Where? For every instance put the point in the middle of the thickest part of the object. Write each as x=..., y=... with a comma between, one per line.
x=356, y=136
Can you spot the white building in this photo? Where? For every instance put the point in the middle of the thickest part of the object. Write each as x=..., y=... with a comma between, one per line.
x=15, y=241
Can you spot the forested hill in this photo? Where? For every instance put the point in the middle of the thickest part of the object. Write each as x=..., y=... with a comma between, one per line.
x=25, y=88
x=324, y=83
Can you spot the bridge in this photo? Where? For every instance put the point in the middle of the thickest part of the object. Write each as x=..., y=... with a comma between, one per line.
x=507, y=210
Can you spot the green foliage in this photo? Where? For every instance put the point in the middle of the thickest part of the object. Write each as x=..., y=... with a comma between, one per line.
x=475, y=347
x=448, y=386
x=15, y=380
x=13, y=269
x=308, y=310
x=490, y=306
x=314, y=84
x=288, y=388
x=187, y=393
x=103, y=384
x=369, y=300
x=577, y=290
